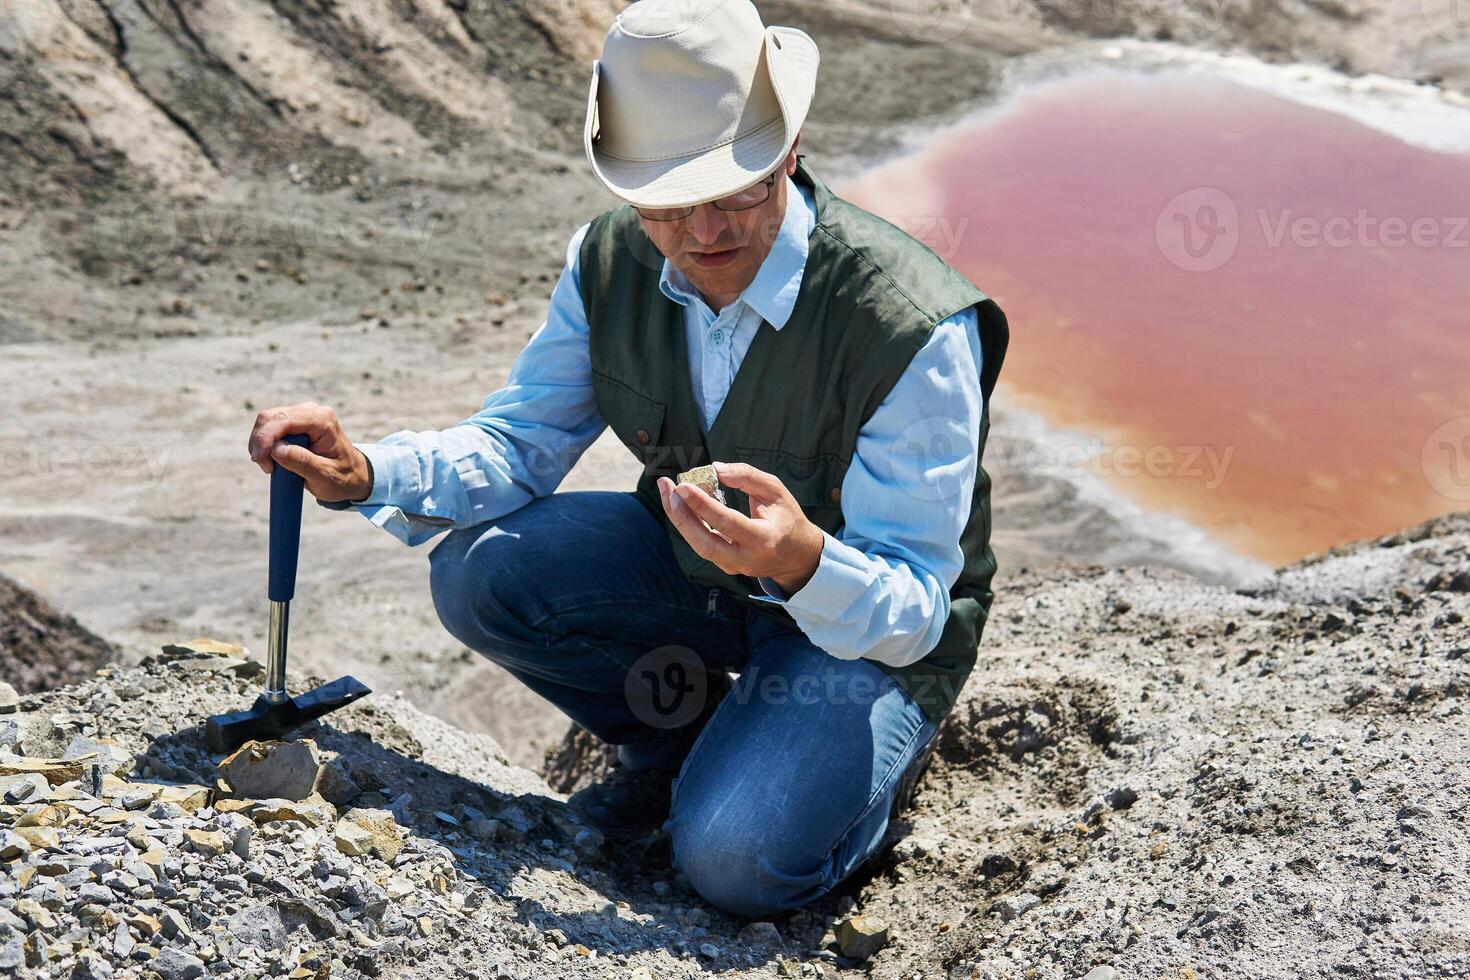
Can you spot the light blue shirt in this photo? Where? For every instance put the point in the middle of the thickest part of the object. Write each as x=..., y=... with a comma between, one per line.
x=881, y=587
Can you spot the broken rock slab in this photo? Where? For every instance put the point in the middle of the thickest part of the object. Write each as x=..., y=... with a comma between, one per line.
x=54, y=771
x=203, y=646
x=272, y=770
x=113, y=758
x=312, y=811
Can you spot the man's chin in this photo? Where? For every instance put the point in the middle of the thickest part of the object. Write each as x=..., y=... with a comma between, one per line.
x=733, y=277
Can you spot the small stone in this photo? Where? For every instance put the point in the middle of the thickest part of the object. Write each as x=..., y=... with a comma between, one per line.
x=709, y=951
x=90, y=966
x=384, y=829
x=136, y=799
x=272, y=770
x=175, y=964
x=12, y=954
x=705, y=478
x=188, y=797
x=260, y=926
x=761, y=934
x=1101, y=973
x=42, y=815
x=173, y=923
x=208, y=842
x=153, y=858
x=486, y=829
x=20, y=788
x=40, y=836
x=12, y=845
x=1014, y=906
x=9, y=699
x=148, y=925
x=335, y=785
x=860, y=936
x=123, y=941
x=352, y=838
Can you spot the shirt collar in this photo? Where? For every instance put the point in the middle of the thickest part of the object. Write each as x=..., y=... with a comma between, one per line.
x=772, y=293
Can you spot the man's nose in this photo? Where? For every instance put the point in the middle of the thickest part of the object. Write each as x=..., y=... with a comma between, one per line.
x=708, y=225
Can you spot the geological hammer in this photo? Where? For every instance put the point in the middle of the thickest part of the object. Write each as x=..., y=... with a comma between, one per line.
x=274, y=713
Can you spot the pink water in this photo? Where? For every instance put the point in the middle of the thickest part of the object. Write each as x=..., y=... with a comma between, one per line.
x=1263, y=309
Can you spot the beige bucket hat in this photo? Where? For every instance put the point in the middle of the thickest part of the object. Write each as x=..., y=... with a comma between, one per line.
x=693, y=100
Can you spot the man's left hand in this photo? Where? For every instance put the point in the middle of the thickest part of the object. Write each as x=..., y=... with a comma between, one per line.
x=776, y=541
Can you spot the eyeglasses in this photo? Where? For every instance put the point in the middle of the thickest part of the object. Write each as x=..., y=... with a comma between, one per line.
x=752, y=197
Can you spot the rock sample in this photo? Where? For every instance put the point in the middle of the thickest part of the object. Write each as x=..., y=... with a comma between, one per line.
x=272, y=770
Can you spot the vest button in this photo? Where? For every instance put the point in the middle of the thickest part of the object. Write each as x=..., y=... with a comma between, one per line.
x=643, y=437
x=835, y=495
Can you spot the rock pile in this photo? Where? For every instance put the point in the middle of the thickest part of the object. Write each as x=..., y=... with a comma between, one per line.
x=388, y=845
x=1147, y=777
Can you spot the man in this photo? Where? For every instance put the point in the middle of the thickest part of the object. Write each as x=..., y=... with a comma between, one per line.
x=834, y=369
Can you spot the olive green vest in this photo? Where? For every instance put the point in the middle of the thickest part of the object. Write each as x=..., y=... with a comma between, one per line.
x=870, y=296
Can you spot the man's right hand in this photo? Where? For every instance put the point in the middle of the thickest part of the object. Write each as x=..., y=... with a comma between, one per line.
x=333, y=468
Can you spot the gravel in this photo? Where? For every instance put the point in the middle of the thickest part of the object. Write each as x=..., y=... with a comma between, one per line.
x=1114, y=797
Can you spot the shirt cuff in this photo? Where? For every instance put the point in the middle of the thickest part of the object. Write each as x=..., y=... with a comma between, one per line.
x=395, y=474
x=391, y=468
x=843, y=576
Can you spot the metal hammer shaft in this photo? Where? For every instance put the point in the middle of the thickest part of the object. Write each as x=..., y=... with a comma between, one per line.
x=285, y=518
x=275, y=662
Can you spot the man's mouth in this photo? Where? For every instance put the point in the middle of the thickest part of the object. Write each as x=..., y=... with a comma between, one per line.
x=715, y=259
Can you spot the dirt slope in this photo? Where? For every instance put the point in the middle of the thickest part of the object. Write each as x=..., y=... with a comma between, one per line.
x=40, y=647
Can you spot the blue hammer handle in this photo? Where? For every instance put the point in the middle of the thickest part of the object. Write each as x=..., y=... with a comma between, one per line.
x=286, y=492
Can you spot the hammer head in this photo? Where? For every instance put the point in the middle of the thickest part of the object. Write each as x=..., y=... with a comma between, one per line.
x=266, y=720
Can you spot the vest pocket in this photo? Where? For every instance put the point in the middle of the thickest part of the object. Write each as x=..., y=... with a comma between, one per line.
x=814, y=481
x=637, y=420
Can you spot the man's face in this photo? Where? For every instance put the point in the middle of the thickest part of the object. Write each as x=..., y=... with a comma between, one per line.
x=720, y=252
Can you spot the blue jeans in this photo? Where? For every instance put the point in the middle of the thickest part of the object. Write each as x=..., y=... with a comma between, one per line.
x=785, y=775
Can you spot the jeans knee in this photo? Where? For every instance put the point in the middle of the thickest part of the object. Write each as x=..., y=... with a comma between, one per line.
x=731, y=868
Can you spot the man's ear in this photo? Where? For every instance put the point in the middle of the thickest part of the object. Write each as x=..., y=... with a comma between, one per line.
x=791, y=157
